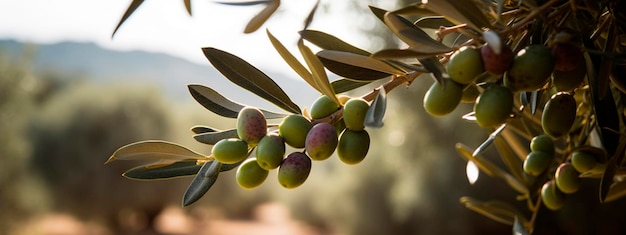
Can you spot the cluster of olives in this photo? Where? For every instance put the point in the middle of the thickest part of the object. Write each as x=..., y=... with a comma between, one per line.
x=566, y=178
x=318, y=139
x=530, y=69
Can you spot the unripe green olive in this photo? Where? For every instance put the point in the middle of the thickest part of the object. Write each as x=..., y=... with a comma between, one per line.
x=583, y=161
x=294, y=170
x=354, y=113
x=537, y=162
x=322, y=107
x=531, y=69
x=465, y=65
x=251, y=125
x=566, y=178
x=470, y=93
x=250, y=175
x=270, y=151
x=552, y=198
x=353, y=146
x=542, y=143
x=293, y=129
x=567, y=81
x=230, y=151
x=559, y=114
x=321, y=141
x=496, y=64
x=441, y=99
x=493, y=106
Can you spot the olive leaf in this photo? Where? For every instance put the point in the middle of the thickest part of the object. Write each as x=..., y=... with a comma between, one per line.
x=202, y=182
x=416, y=38
x=436, y=69
x=317, y=70
x=218, y=104
x=459, y=12
x=311, y=15
x=258, y=20
x=155, y=151
x=609, y=173
x=432, y=22
x=344, y=85
x=131, y=8
x=359, y=61
x=211, y=138
x=177, y=169
x=188, y=6
x=510, y=159
x=376, y=112
x=291, y=60
x=496, y=210
x=352, y=72
x=408, y=53
x=617, y=191
x=518, y=227
x=199, y=129
x=243, y=3
x=330, y=42
x=250, y=78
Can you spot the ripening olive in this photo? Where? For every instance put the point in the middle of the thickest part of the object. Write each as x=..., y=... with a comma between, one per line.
x=353, y=146
x=567, y=81
x=293, y=129
x=270, y=151
x=583, y=161
x=552, y=198
x=441, y=99
x=321, y=141
x=567, y=56
x=251, y=125
x=354, y=113
x=537, y=162
x=465, y=65
x=493, y=106
x=496, y=64
x=566, y=178
x=294, y=170
x=322, y=107
x=542, y=143
x=250, y=175
x=230, y=151
x=559, y=114
x=531, y=69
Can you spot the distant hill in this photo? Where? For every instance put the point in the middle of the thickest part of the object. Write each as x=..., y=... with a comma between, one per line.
x=171, y=73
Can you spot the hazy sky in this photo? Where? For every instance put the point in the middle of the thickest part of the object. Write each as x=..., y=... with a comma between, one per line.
x=165, y=26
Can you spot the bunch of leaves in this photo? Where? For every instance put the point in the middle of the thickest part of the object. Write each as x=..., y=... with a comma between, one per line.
x=599, y=26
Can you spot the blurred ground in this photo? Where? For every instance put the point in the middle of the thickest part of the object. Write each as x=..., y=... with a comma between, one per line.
x=269, y=218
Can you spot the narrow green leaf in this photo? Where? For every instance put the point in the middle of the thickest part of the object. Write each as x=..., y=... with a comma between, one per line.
x=433, y=22
x=211, y=138
x=489, y=141
x=250, y=78
x=202, y=182
x=317, y=70
x=344, y=85
x=188, y=6
x=510, y=159
x=376, y=112
x=611, y=168
x=243, y=3
x=617, y=191
x=352, y=72
x=218, y=104
x=311, y=15
x=292, y=61
x=499, y=211
x=408, y=53
x=258, y=20
x=155, y=151
x=416, y=38
x=131, y=8
x=379, y=13
x=435, y=68
x=360, y=61
x=177, y=169
x=330, y=42
x=459, y=12
x=199, y=129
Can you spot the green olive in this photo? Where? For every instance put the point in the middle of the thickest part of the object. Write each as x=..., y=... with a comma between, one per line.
x=353, y=146
x=294, y=129
x=566, y=178
x=465, y=65
x=493, y=107
x=322, y=107
x=531, y=68
x=559, y=114
x=542, y=143
x=230, y=151
x=552, y=198
x=270, y=151
x=537, y=162
x=441, y=99
x=583, y=161
x=354, y=113
x=250, y=175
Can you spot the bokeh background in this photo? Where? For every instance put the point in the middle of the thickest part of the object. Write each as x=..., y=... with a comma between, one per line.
x=66, y=104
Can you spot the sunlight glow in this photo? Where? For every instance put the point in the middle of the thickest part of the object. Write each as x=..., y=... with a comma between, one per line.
x=472, y=172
